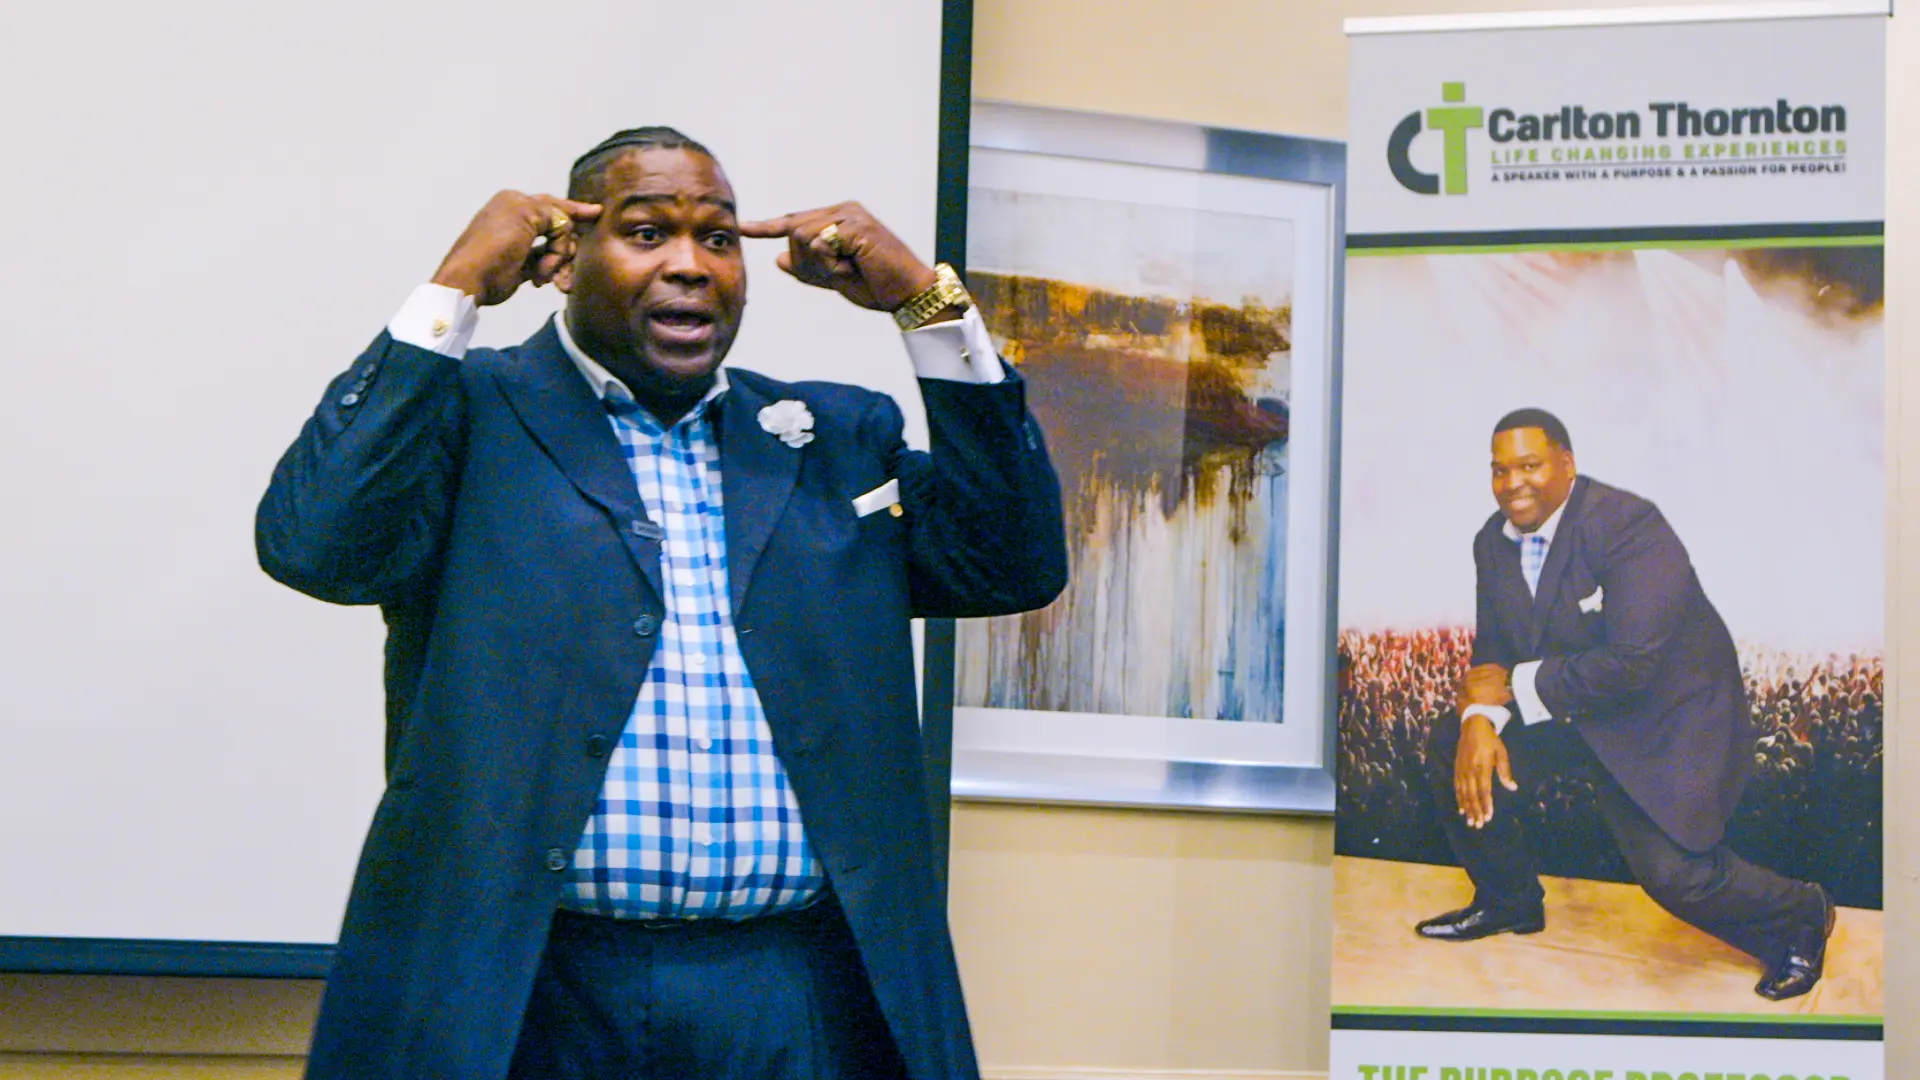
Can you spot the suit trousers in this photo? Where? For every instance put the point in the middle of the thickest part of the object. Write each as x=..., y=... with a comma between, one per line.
x=1747, y=906
x=780, y=997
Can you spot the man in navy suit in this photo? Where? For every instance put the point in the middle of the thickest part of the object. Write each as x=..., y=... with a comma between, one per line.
x=1592, y=626
x=655, y=802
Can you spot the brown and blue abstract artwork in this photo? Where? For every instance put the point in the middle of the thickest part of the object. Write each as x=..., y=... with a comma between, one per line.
x=1156, y=343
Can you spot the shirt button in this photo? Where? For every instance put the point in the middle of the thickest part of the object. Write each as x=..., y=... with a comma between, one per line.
x=350, y=399
x=556, y=859
x=706, y=743
x=698, y=660
x=598, y=745
x=645, y=625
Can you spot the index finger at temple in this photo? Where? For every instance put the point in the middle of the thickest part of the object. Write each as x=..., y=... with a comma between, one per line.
x=769, y=229
x=579, y=210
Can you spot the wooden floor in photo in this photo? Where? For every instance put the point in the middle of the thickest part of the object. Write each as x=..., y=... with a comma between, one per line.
x=1607, y=947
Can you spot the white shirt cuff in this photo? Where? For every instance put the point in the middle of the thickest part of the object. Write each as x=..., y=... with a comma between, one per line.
x=1499, y=714
x=437, y=318
x=958, y=351
x=1532, y=709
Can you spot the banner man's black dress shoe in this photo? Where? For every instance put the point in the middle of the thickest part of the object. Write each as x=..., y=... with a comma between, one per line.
x=1477, y=920
x=1805, y=959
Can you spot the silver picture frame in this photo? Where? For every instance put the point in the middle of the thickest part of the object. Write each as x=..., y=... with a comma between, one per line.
x=1105, y=168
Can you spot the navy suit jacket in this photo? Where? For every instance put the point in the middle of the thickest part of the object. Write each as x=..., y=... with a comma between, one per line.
x=485, y=505
x=1649, y=676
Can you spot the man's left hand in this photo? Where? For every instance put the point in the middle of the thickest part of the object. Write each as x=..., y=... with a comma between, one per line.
x=1486, y=684
x=846, y=249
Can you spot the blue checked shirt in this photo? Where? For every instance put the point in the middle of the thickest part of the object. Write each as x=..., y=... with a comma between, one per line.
x=1533, y=559
x=1534, y=547
x=696, y=817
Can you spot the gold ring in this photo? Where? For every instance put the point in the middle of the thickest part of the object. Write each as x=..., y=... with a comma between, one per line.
x=837, y=244
x=557, y=221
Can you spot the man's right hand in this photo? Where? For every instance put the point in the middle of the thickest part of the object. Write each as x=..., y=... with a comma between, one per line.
x=499, y=251
x=1479, y=758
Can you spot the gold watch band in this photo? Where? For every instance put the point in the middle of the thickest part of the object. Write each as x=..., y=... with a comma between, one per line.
x=945, y=292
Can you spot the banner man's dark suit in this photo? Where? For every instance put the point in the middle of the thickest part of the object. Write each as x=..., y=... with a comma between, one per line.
x=1638, y=667
x=1646, y=669
x=485, y=505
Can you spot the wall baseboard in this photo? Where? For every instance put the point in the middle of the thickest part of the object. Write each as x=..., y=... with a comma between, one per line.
x=1093, y=1073
x=252, y=1066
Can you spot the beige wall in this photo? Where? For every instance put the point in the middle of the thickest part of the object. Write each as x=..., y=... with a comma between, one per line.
x=1114, y=942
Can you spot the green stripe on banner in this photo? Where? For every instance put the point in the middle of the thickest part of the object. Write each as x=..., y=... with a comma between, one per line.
x=1627, y=245
x=1793, y=1019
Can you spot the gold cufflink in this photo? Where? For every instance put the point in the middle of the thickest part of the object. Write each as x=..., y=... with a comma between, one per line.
x=440, y=327
x=895, y=510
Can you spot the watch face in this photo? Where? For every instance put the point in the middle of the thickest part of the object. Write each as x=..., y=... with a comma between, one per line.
x=952, y=289
x=946, y=291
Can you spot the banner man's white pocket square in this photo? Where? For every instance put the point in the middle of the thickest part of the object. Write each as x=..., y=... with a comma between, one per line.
x=880, y=498
x=1595, y=602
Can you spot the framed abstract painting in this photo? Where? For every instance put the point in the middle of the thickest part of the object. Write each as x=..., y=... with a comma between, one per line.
x=1171, y=295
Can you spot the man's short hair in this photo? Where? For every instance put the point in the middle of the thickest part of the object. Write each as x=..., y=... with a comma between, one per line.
x=590, y=168
x=1556, y=431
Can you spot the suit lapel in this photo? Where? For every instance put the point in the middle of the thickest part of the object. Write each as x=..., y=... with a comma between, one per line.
x=1513, y=604
x=1566, y=537
x=757, y=475
x=566, y=418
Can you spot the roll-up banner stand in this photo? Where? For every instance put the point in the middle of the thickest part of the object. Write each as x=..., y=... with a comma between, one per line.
x=1612, y=630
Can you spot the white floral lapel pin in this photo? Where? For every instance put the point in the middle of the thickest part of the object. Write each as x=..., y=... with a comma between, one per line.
x=789, y=420
x=1595, y=602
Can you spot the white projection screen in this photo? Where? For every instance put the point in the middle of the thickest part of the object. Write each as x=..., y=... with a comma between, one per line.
x=212, y=206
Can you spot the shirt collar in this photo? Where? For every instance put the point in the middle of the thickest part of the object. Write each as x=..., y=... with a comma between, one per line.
x=1545, y=531
x=605, y=382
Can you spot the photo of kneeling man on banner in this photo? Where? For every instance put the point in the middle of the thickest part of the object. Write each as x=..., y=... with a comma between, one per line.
x=1612, y=648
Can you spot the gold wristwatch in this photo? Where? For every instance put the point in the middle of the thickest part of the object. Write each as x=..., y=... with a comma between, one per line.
x=945, y=292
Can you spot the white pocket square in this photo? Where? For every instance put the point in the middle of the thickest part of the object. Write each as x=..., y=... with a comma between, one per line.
x=880, y=498
x=1595, y=602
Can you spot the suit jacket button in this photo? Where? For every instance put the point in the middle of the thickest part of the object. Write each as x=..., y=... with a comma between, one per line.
x=645, y=625
x=556, y=859
x=598, y=745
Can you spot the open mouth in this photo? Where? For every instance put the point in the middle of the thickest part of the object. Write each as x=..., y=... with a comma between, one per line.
x=681, y=326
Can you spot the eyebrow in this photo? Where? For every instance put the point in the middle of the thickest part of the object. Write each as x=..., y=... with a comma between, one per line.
x=711, y=200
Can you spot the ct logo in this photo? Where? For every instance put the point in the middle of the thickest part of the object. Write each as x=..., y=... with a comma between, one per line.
x=1453, y=121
